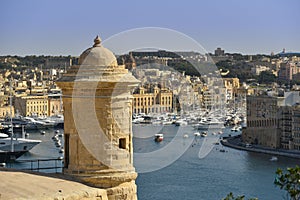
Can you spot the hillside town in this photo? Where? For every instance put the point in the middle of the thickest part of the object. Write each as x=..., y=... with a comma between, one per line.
x=266, y=93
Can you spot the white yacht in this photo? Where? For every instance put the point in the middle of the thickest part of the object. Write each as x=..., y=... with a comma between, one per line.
x=13, y=148
x=19, y=144
x=209, y=124
x=45, y=122
x=181, y=122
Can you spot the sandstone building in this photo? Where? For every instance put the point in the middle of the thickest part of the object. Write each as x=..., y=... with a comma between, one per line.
x=231, y=85
x=152, y=99
x=35, y=105
x=32, y=105
x=262, y=121
x=273, y=121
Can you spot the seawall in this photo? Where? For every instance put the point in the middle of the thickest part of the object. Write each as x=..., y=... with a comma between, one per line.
x=234, y=142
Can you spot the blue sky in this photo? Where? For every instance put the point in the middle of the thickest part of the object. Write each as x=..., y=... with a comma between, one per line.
x=53, y=27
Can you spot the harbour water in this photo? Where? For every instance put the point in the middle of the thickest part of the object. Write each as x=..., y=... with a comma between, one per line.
x=189, y=177
x=212, y=177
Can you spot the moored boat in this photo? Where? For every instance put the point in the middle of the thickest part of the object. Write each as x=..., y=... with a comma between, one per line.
x=197, y=134
x=203, y=134
x=209, y=124
x=181, y=122
x=158, y=137
x=12, y=147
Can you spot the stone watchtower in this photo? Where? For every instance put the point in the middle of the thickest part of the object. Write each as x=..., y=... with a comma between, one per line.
x=97, y=129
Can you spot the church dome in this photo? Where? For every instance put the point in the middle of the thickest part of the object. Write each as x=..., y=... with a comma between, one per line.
x=97, y=55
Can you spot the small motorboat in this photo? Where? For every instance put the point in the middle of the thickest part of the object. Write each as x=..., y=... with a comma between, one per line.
x=158, y=137
x=3, y=135
x=61, y=150
x=203, y=134
x=55, y=138
x=58, y=144
x=197, y=134
x=274, y=158
x=235, y=129
x=181, y=122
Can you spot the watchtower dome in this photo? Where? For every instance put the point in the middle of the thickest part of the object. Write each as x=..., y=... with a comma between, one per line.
x=97, y=111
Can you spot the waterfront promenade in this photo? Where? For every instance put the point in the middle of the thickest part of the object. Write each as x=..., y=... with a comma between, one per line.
x=22, y=185
x=236, y=143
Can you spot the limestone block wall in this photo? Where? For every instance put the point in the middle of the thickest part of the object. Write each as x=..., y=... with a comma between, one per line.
x=113, y=118
x=97, y=111
x=268, y=137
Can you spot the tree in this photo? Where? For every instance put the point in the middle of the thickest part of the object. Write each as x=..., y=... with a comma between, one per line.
x=230, y=196
x=289, y=181
x=266, y=77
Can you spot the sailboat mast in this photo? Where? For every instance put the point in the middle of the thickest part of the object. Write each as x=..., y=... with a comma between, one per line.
x=44, y=93
x=11, y=122
x=60, y=104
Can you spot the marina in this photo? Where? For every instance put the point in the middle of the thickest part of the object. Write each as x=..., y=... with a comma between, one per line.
x=203, y=174
x=186, y=154
x=20, y=127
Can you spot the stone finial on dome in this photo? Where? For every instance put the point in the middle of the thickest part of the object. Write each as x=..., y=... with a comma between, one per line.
x=97, y=41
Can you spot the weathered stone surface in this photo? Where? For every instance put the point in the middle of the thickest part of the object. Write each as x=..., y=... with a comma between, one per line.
x=20, y=185
x=98, y=131
x=125, y=191
x=108, y=179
